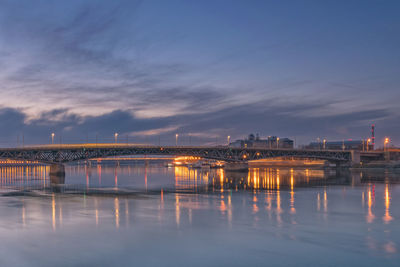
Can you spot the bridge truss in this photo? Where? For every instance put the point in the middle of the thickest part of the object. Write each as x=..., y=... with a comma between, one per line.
x=69, y=153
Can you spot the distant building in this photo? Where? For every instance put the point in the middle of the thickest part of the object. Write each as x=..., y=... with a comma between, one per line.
x=341, y=145
x=254, y=141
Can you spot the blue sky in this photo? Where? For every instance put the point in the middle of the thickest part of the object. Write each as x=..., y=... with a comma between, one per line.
x=150, y=69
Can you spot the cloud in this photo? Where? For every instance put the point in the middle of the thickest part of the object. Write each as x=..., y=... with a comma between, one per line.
x=157, y=131
x=91, y=68
x=205, y=128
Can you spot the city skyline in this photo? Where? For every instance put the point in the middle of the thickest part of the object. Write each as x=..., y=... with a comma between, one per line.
x=211, y=69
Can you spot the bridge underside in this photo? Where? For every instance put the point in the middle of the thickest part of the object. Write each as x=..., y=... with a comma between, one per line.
x=62, y=155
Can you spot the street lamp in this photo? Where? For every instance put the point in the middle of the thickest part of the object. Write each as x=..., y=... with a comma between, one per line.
x=52, y=138
x=324, y=144
x=229, y=139
x=116, y=137
x=277, y=142
x=387, y=140
x=176, y=139
x=368, y=141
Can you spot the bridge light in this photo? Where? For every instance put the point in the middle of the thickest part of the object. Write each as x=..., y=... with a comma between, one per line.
x=176, y=139
x=368, y=141
x=387, y=140
x=116, y=137
x=244, y=156
x=52, y=138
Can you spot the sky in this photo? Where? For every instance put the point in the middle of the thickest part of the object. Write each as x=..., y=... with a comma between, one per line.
x=86, y=69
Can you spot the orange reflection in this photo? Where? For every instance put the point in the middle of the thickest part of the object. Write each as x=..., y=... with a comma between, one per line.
x=222, y=206
x=370, y=215
x=23, y=214
x=221, y=175
x=387, y=218
x=53, y=207
x=115, y=177
x=255, y=207
x=116, y=207
x=87, y=176
x=60, y=217
x=229, y=210
x=96, y=211
x=126, y=212
x=177, y=211
x=99, y=172
x=292, y=209
x=390, y=247
x=145, y=175
x=278, y=207
x=277, y=179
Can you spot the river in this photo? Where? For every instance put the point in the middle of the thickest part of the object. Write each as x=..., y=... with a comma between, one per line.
x=145, y=214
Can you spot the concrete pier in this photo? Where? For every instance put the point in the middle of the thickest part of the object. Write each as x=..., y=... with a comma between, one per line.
x=57, y=174
x=355, y=157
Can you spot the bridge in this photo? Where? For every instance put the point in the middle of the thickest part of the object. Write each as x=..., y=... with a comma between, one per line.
x=59, y=154
x=236, y=158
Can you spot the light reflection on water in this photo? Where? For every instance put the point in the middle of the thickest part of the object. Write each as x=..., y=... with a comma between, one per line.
x=119, y=213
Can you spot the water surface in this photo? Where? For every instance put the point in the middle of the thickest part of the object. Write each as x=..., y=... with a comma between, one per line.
x=144, y=214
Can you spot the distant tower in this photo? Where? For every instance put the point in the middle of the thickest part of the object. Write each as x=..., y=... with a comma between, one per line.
x=373, y=136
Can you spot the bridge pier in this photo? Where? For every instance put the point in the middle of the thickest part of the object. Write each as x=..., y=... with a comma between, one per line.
x=236, y=166
x=57, y=174
x=355, y=157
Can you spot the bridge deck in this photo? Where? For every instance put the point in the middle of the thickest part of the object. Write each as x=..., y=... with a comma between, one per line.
x=73, y=152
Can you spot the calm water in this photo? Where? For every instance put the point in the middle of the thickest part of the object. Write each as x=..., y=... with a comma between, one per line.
x=149, y=215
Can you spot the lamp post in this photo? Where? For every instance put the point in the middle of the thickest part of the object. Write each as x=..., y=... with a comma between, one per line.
x=52, y=138
x=277, y=142
x=229, y=139
x=116, y=137
x=176, y=139
x=324, y=144
x=387, y=140
x=368, y=141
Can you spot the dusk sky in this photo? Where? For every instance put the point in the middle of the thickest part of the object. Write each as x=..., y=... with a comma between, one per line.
x=151, y=69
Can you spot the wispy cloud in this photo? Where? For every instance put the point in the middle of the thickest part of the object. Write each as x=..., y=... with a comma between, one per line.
x=137, y=67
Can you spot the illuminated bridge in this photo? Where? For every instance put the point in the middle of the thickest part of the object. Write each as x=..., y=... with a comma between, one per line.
x=59, y=154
